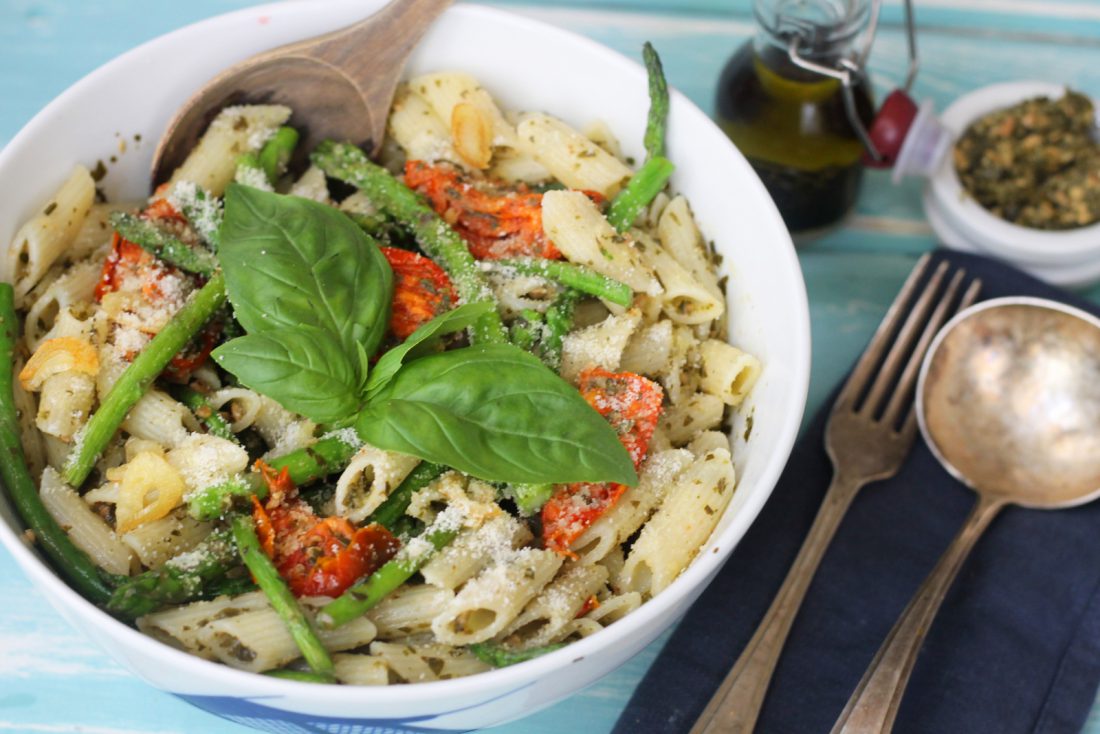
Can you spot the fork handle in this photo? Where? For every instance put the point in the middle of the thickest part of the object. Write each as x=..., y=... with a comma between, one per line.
x=875, y=702
x=735, y=706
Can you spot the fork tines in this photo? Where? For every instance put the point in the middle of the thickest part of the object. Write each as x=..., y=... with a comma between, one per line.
x=882, y=384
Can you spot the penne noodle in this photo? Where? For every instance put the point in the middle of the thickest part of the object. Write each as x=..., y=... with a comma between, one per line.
x=41, y=241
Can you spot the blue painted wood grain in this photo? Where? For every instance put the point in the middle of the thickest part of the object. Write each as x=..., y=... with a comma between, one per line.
x=55, y=680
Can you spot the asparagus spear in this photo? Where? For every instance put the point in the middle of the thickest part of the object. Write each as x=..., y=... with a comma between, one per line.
x=181, y=579
x=376, y=225
x=135, y=380
x=302, y=676
x=227, y=586
x=196, y=401
x=393, y=509
x=278, y=593
x=250, y=173
x=524, y=333
x=276, y=153
x=305, y=465
x=657, y=119
x=48, y=535
x=439, y=241
x=500, y=657
x=530, y=498
x=559, y=320
x=573, y=276
x=642, y=188
x=170, y=249
x=354, y=602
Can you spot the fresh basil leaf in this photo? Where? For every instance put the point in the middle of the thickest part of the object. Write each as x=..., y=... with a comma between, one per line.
x=454, y=320
x=362, y=360
x=302, y=368
x=497, y=413
x=290, y=262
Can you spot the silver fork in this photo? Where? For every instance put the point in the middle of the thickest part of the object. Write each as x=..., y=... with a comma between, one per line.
x=870, y=431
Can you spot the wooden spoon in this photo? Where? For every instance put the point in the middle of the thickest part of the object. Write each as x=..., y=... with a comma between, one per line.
x=339, y=85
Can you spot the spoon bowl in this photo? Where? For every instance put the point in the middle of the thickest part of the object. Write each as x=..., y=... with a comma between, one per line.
x=1009, y=401
x=339, y=85
x=333, y=102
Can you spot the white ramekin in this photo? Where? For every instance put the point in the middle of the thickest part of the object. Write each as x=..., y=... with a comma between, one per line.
x=1064, y=257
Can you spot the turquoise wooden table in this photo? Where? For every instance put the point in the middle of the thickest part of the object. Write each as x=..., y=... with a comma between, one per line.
x=53, y=680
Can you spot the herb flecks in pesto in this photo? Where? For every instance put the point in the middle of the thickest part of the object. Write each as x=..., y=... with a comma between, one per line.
x=1036, y=163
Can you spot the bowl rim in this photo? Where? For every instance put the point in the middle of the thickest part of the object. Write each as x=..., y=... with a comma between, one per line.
x=245, y=684
x=996, y=235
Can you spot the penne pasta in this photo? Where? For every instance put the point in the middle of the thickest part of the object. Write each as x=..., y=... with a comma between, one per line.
x=234, y=132
x=572, y=158
x=258, y=640
x=368, y=480
x=728, y=373
x=689, y=512
x=155, y=542
x=421, y=133
x=601, y=345
x=409, y=610
x=684, y=299
x=546, y=617
x=584, y=236
x=633, y=507
x=41, y=241
x=680, y=237
x=490, y=601
x=698, y=412
x=87, y=530
x=73, y=288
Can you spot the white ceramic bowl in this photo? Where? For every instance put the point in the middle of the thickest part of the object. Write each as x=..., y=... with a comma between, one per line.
x=1065, y=257
x=578, y=80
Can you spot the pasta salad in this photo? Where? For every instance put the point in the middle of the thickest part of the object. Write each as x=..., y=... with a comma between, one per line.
x=369, y=422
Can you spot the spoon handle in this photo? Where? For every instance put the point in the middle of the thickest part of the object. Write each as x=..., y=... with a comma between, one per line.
x=736, y=704
x=875, y=702
x=368, y=51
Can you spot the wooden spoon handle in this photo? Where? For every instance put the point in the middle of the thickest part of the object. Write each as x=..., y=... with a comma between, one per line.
x=875, y=702
x=368, y=51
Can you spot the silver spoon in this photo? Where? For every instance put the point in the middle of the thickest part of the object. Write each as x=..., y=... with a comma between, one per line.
x=340, y=85
x=1008, y=400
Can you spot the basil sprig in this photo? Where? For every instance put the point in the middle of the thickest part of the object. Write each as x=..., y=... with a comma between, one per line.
x=313, y=292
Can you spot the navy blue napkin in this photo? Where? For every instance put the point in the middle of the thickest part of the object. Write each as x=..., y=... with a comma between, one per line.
x=1016, y=645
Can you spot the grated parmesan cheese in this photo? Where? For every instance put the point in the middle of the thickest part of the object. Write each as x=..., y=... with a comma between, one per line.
x=347, y=435
x=252, y=177
x=203, y=210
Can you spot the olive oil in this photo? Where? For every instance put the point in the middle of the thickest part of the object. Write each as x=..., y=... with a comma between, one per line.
x=793, y=126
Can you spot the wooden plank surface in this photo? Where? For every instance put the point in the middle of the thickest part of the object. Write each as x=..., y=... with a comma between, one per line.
x=56, y=681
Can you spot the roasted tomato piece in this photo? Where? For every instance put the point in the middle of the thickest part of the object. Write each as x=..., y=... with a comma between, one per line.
x=421, y=291
x=124, y=261
x=631, y=404
x=317, y=556
x=498, y=220
x=128, y=265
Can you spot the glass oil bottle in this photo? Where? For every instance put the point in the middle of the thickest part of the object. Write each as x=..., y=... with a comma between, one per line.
x=797, y=104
